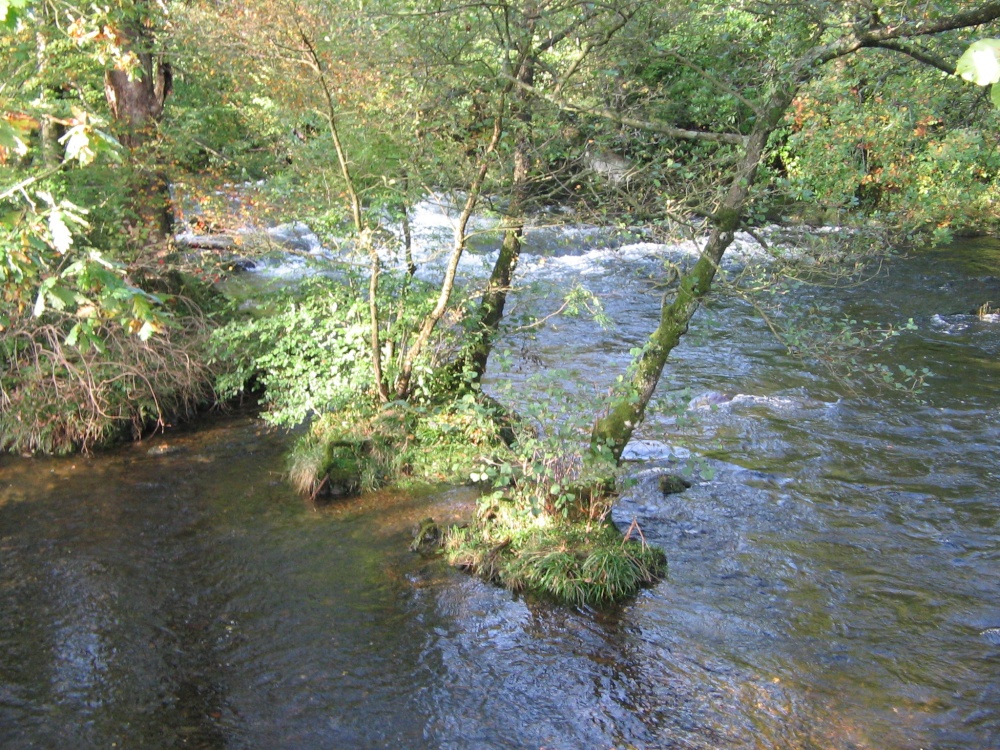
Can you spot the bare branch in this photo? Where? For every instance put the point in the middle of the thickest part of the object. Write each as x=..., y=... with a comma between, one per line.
x=654, y=126
x=920, y=55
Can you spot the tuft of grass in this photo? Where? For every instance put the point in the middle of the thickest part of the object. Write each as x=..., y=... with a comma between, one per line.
x=571, y=563
x=60, y=398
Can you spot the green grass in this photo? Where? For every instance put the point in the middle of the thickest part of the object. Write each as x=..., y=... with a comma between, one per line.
x=574, y=563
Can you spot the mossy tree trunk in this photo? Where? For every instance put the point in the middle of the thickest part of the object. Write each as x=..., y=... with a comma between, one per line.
x=613, y=430
x=494, y=299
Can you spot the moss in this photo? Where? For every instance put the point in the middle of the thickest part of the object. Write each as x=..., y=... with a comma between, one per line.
x=671, y=484
x=426, y=538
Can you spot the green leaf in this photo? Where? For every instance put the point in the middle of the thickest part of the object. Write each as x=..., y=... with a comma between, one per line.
x=60, y=298
x=995, y=95
x=10, y=10
x=62, y=238
x=980, y=63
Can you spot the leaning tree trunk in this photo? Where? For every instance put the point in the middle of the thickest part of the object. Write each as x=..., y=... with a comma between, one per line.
x=612, y=431
x=136, y=98
x=494, y=299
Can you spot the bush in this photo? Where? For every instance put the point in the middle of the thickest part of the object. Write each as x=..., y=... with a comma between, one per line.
x=365, y=447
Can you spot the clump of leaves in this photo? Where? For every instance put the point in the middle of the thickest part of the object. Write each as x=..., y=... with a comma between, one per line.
x=308, y=351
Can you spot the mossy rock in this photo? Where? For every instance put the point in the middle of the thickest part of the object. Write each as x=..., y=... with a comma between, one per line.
x=427, y=538
x=671, y=484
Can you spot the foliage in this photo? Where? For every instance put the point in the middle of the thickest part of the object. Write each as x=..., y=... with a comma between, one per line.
x=365, y=447
x=980, y=64
x=308, y=349
x=92, y=347
x=58, y=396
x=890, y=141
x=308, y=352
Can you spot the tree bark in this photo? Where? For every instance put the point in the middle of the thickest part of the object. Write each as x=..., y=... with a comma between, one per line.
x=136, y=99
x=405, y=377
x=494, y=299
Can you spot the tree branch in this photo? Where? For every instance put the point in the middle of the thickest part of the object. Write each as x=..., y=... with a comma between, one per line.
x=920, y=55
x=654, y=126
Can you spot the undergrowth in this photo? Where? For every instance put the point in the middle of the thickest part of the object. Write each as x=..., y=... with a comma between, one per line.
x=572, y=563
x=60, y=396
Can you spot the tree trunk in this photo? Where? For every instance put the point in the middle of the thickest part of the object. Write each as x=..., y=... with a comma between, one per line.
x=404, y=379
x=491, y=306
x=612, y=432
x=136, y=100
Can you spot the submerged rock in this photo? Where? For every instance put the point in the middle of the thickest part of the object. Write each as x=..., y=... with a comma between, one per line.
x=426, y=537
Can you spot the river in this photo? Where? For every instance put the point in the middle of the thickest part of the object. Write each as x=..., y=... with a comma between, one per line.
x=834, y=570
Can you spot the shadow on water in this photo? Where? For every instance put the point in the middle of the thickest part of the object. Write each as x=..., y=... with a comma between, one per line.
x=831, y=577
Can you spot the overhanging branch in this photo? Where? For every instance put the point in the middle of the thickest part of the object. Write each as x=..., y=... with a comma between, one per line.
x=654, y=126
x=920, y=55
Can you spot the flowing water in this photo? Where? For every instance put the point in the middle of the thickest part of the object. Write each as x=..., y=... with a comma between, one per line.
x=834, y=572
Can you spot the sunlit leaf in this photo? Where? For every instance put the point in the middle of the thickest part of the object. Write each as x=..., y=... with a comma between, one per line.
x=62, y=238
x=39, y=303
x=147, y=330
x=78, y=147
x=980, y=63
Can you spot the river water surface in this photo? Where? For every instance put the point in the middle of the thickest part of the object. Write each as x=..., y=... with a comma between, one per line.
x=834, y=572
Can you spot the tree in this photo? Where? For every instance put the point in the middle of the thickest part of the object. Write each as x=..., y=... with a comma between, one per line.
x=823, y=35
x=90, y=347
x=136, y=88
